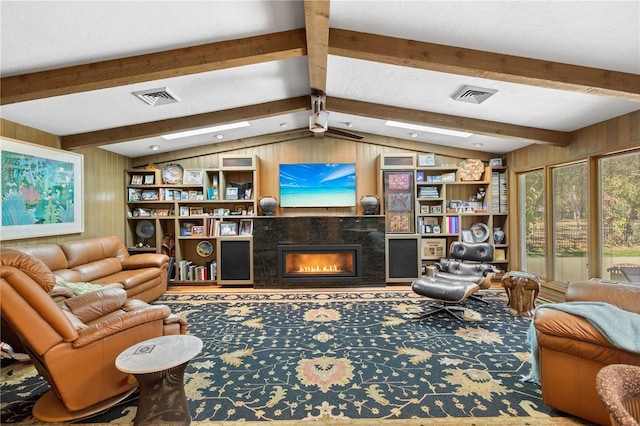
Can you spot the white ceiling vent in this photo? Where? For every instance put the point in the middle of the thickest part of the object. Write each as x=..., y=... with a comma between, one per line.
x=155, y=97
x=473, y=95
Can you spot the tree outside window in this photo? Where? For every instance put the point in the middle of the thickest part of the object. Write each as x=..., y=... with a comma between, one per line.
x=620, y=213
x=570, y=222
x=532, y=231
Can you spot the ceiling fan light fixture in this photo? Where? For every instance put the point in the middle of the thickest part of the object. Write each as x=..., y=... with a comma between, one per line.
x=429, y=129
x=206, y=130
x=319, y=122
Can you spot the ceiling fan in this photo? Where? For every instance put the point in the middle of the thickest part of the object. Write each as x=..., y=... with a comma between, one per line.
x=319, y=119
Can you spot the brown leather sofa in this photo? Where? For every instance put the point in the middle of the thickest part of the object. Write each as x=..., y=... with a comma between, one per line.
x=106, y=261
x=74, y=343
x=573, y=351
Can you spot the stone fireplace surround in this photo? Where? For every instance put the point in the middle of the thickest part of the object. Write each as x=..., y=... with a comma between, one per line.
x=271, y=231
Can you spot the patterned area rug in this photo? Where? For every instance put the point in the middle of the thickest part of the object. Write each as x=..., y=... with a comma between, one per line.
x=338, y=358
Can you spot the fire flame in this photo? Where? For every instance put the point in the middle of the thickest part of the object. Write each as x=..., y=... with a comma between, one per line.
x=318, y=269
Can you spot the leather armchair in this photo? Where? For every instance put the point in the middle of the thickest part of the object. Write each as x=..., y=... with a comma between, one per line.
x=74, y=343
x=573, y=351
x=467, y=262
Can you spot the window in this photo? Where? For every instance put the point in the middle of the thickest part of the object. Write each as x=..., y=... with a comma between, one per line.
x=532, y=230
x=620, y=213
x=570, y=222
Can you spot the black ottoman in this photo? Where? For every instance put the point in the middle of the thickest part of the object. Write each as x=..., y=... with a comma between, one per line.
x=447, y=293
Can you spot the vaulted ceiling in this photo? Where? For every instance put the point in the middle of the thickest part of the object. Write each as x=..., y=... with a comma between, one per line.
x=70, y=68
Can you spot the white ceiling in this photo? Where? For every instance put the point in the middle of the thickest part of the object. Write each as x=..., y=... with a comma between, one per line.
x=40, y=36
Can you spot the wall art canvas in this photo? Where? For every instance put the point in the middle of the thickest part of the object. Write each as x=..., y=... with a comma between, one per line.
x=399, y=181
x=399, y=202
x=399, y=222
x=41, y=191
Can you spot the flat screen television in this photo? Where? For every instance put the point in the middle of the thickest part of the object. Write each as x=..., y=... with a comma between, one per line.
x=318, y=185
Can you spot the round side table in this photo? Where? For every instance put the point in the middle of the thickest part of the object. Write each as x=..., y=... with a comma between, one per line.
x=522, y=289
x=159, y=364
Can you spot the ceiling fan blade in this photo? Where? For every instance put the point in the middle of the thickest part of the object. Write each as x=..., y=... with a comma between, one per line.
x=344, y=133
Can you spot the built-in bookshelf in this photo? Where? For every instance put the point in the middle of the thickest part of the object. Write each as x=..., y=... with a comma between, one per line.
x=444, y=206
x=196, y=207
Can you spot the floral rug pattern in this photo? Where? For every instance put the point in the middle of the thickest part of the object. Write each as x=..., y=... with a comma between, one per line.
x=335, y=356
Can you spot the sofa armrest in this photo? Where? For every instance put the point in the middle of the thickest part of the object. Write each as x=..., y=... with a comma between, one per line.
x=145, y=260
x=624, y=296
x=91, y=306
x=551, y=322
x=126, y=320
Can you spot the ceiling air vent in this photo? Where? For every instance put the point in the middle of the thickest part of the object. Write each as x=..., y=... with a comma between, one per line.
x=155, y=97
x=473, y=95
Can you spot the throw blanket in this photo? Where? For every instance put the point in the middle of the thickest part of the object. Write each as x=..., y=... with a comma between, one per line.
x=620, y=327
x=79, y=288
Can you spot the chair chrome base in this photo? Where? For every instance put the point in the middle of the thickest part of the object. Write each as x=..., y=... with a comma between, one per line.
x=444, y=307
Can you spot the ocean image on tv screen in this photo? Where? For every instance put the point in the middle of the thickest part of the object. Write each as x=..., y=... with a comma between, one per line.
x=318, y=185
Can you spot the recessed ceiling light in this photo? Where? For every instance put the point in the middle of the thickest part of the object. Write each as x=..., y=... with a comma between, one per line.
x=219, y=136
x=478, y=144
x=348, y=124
x=427, y=129
x=285, y=124
x=154, y=147
x=413, y=135
x=205, y=130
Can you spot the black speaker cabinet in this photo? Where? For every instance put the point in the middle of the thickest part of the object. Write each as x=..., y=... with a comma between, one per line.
x=402, y=255
x=235, y=260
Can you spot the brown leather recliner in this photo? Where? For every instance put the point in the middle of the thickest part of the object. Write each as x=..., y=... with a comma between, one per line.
x=74, y=344
x=573, y=351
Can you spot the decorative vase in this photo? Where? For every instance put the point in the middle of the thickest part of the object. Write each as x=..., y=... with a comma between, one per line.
x=268, y=204
x=369, y=204
x=498, y=235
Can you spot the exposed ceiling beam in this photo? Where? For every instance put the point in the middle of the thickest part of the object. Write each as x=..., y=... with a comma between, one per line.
x=157, y=128
x=153, y=66
x=490, y=128
x=476, y=63
x=316, y=15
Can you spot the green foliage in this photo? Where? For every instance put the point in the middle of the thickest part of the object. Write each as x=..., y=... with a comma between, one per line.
x=14, y=210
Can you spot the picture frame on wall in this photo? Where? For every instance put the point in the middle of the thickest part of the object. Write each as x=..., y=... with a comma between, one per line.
x=60, y=171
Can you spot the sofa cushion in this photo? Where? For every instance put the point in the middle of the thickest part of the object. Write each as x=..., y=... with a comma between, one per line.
x=82, y=252
x=130, y=278
x=33, y=267
x=51, y=254
x=98, y=269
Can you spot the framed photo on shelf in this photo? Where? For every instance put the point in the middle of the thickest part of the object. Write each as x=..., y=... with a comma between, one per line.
x=149, y=195
x=467, y=236
x=434, y=248
x=163, y=212
x=197, y=231
x=195, y=211
x=424, y=209
x=136, y=180
x=228, y=228
x=426, y=160
x=184, y=211
x=246, y=227
x=193, y=177
x=436, y=209
x=231, y=193
x=149, y=179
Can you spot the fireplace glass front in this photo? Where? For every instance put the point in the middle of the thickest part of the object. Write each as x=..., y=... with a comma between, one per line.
x=314, y=263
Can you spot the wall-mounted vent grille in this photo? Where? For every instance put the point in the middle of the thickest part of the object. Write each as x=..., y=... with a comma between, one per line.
x=473, y=95
x=155, y=97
